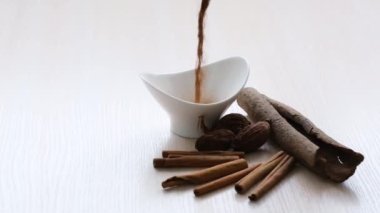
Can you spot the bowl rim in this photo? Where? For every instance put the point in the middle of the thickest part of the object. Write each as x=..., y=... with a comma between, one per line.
x=142, y=76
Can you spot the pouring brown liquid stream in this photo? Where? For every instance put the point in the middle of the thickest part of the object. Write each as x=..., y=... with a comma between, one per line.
x=198, y=71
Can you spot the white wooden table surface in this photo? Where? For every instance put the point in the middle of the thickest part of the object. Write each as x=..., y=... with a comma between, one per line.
x=78, y=130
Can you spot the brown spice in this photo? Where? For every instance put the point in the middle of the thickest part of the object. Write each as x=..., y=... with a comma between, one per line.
x=233, y=121
x=220, y=139
x=299, y=137
x=273, y=178
x=206, y=175
x=222, y=182
x=206, y=155
x=252, y=137
x=258, y=174
x=166, y=153
x=192, y=161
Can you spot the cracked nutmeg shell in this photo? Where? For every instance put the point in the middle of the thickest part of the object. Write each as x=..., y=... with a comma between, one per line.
x=220, y=139
x=234, y=122
x=252, y=137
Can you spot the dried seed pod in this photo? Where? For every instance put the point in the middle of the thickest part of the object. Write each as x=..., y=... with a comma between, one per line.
x=220, y=139
x=252, y=137
x=234, y=122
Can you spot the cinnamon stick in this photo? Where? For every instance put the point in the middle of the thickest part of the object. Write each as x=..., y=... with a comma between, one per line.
x=206, y=175
x=166, y=153
x=192, y=161
x=258, y=174
x=222, y=182
x=198, y=156
x=274, y=177
x=299, y=137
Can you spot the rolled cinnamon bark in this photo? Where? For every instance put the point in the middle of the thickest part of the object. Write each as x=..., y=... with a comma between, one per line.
x=199, y=156
x=222, y=182
x=299, y=137
x=192, y=161
x=274, y=177
x=279, y=165
x=258, y=174
x=206, y=175
x=166, y=153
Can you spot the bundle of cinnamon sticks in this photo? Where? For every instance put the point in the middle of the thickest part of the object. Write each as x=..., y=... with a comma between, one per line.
x=297, y=136
x=224, y=168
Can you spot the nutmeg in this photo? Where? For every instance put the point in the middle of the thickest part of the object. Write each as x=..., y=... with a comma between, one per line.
x=252, y=137
x=220, y=139
x=234, y=122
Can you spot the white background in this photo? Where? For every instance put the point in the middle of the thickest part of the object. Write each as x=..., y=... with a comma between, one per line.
x=78, y=130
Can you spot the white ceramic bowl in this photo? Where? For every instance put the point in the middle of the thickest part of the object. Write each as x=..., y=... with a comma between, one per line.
x=222, y=81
